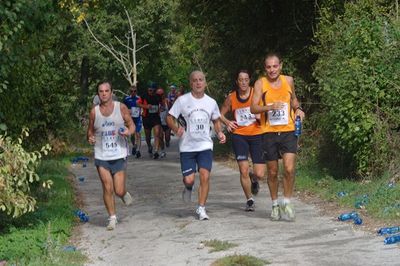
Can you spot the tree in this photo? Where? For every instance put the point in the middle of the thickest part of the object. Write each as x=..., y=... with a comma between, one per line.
x=358, y=72
x=126, y=59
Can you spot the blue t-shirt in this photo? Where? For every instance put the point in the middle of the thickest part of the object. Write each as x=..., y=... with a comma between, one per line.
x=131, y=103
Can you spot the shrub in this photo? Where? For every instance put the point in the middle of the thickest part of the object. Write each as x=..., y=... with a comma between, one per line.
x=17, y=174
x=358, y=76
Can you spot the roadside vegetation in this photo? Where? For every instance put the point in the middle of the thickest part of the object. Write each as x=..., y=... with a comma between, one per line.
x=42, y=237
x=218, y=245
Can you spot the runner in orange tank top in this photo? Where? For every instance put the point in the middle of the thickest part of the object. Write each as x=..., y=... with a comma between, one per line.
x=275, y=99
x=246, y=136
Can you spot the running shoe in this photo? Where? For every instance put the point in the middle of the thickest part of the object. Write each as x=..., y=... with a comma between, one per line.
x=187, y=195
x=288, y=211
x=127, y=199
x=163, y=154
x=112, y=221
x=138, y=154
x=250, y=205
x=201, y=211
x=255, y=186
x=276, y=213
x=150, y=149
x=156, y=155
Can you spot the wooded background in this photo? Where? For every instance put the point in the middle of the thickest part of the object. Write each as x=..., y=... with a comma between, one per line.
x=344, y=56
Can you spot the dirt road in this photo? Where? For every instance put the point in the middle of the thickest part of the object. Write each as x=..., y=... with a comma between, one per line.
x=159, y=229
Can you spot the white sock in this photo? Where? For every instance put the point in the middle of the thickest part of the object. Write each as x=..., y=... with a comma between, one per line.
x=275, y=203
x=113, y=216
x=286, y=201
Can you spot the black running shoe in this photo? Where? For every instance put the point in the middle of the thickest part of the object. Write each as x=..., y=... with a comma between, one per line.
x=156, y=155
x=250, y=206
x=150, y=149
x=138, y=154
x=255, y=186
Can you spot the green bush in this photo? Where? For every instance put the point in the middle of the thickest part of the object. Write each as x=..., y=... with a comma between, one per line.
x=17, y=174
x=358, y=71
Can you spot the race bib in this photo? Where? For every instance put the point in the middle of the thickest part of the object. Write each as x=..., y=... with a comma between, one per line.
x=279, y=117
x=199, y=124
x=244, y=117
x=153, y=109
x=110, y=144
x=135, y=112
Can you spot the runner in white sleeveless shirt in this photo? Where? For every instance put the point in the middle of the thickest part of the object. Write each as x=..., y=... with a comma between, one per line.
x=110, y=124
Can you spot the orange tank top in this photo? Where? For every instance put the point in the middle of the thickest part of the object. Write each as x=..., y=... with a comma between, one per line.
x=248, y=125
x=277, y=120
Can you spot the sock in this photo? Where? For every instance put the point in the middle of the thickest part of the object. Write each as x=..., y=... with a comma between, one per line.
x=189, y=187
x=251, y=198
x=275, y=203
x=286, y=201
x=113, y=216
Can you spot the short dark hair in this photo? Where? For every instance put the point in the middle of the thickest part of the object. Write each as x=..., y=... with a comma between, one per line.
x=104, y=82
x=273, y=54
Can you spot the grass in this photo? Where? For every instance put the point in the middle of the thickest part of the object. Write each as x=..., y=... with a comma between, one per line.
x=240, y=260
x=218, y=245
x=377, y=197
x=38, y=238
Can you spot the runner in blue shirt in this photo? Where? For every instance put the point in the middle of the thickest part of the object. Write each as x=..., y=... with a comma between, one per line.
x=136, y=114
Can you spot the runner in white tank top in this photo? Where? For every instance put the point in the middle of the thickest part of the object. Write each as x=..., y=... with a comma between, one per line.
x=110, y=124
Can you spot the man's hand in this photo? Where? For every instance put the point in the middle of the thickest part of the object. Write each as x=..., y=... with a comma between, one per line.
x=92, y=140
x=180, y=131
x=221, y=136
x=300, y=113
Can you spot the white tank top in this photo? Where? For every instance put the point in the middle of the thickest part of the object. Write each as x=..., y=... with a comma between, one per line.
x=109, y=144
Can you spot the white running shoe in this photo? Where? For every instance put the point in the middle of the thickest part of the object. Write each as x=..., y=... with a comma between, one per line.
x=187, y=195
x=127, y=199
x=112, y=221
x=201, y=211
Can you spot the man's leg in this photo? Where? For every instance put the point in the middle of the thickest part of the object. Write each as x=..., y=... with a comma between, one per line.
x=204, y=186
x=147, y=132
x=138, y=141
x=188, y=167
x=272, y=179
x=156, y=131
x=289, y=162
x=108, y=189
x=119, y=183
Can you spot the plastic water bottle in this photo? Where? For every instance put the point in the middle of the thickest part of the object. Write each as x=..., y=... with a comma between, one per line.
x=341, y=194
x=389, y=230
x=392, y=239
x=297, y=126
x=347, y=216
x=69, y=248
x=357, y=220
x=82, y=216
